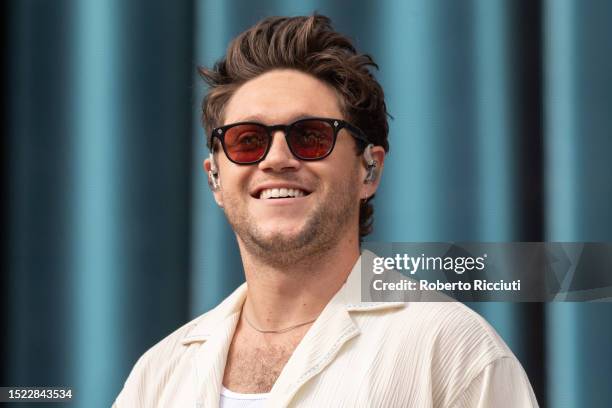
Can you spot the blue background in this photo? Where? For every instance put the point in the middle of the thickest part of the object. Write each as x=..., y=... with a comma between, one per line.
x=502, y=131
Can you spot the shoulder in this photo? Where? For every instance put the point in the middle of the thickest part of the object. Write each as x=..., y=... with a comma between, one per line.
x=164, y=367
x=155, y=366
x=452, y=344
x=443, y=325
x=456, y=338
x=455, y=326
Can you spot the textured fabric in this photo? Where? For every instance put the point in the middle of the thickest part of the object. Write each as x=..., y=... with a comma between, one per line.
x=356, y=354
x=230, y=399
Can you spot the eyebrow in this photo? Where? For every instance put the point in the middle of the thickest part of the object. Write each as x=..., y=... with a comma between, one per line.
x=260, y=119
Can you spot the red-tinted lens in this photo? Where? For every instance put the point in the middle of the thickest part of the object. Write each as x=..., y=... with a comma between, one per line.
x=311, y=139
x=246, y=143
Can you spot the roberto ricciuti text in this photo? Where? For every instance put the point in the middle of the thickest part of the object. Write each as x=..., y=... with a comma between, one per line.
x=477, y=284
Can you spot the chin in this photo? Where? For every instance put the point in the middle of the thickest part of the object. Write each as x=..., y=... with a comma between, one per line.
x=278, y=240
x=277, y=235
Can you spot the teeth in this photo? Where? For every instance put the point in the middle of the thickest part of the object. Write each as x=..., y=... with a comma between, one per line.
x=281, y=193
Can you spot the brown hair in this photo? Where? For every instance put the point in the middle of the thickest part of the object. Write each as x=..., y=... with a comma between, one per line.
x=308, y=44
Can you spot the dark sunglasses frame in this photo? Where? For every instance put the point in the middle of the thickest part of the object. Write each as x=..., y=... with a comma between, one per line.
x=336, y=125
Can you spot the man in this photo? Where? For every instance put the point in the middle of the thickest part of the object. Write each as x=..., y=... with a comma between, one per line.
x=298, y=129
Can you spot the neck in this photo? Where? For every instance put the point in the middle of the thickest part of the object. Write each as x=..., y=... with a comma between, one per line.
x=280, y=296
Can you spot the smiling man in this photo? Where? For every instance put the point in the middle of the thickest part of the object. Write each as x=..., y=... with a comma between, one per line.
x=297, y=127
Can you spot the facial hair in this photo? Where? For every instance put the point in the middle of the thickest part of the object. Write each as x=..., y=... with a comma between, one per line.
x=327, y=221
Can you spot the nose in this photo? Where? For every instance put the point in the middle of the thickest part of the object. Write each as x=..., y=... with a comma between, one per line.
x=279, y=157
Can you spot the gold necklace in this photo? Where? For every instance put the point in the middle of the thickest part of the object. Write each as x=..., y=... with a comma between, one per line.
x=276, y=331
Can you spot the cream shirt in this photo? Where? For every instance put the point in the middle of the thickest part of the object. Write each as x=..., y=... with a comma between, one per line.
x=356, y=354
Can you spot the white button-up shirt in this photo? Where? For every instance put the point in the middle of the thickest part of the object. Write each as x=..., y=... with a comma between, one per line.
x=356, y=354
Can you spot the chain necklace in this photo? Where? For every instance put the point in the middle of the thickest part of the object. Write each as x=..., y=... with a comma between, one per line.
x=276, y=331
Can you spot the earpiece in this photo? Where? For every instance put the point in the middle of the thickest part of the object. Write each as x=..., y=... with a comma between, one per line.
x=370, y=164
x=213, y=174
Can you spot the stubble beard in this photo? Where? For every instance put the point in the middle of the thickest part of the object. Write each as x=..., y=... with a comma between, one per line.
x=326, y=224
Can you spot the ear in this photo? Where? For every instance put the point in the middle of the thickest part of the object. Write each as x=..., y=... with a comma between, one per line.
x=208, y=166
x=378, y=155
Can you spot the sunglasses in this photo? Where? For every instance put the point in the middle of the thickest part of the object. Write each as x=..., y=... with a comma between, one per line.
x=308, y=139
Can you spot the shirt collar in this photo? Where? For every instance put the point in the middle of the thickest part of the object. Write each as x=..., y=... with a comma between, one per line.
x=348, y=297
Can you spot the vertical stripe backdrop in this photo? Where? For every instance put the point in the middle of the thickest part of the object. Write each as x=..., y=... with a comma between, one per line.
x=502, y=132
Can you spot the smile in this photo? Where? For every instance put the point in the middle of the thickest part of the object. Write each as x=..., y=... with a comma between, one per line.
x=271, y=193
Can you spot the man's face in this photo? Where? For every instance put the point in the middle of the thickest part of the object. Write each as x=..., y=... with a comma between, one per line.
x=327, y=207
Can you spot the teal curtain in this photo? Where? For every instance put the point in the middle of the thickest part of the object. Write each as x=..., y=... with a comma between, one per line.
x=501, y=132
